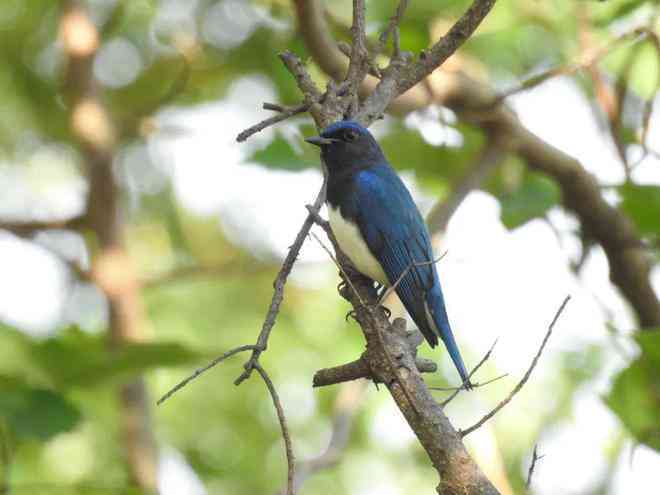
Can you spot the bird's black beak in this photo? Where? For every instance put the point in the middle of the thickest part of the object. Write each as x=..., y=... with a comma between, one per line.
x=319, y=141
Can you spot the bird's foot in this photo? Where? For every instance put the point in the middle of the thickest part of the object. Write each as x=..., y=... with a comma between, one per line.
x=351, y=314
x=387, y=311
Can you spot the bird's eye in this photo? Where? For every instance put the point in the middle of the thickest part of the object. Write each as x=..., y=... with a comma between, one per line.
x=350, y=135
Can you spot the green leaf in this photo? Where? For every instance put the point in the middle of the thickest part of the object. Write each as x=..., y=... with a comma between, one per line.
x=536, y=195
x=635, y=396
x=77, y=359
x=35, y=412
x=280, y=154
x=435, y=165
x=642, y=204
x=649, y=342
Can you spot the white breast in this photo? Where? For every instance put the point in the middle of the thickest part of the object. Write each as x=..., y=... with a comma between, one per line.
x=351, y=242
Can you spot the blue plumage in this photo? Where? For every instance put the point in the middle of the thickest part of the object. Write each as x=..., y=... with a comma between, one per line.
x=379, y=227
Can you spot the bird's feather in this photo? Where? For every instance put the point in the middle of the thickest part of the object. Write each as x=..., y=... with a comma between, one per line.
x=396, y=234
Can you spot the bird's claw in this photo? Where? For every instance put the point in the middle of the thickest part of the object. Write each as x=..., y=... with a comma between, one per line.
x=387, y=311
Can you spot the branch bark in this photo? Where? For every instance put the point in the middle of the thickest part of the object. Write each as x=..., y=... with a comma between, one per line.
x=458, y=472
x=112, y=269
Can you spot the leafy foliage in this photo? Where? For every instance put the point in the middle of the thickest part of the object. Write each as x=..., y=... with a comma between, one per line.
x=642, y=203
x=535, y=195
x=280, y=154
x=635, y=395
x=32, y=412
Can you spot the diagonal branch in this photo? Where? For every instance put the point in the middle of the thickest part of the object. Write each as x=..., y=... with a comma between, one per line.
x=525, y=377
x=491, y=155
x=27, y=228
x=288, y=447
x=400, y=79
x=278, y=285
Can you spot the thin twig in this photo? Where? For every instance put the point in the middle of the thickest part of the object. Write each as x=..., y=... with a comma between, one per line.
x=203, y=369
x=278, y=286
x=360, y=369
x=405, y=272
x=474, y=370
x=392, y=29
x=284, y=114
x=288, y=447
x=637, y=34
x=359, y=54
x=345, y=410
x=27, y=228
x=524, y=379
x=532, y=466
x=299, y=72
x=341, y=268
x=472, y=384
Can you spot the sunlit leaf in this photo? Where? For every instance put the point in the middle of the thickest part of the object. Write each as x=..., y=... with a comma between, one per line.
x=536, y=195
x=77, y=359
x=635, y=395
x=280, y=154
x=642, y=203
x=35, y=412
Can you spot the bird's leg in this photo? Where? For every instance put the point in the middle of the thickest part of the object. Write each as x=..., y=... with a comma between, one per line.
x=381, y=291
x=351, y=314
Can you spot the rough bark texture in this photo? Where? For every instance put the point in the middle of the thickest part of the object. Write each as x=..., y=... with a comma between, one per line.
x=391, y=357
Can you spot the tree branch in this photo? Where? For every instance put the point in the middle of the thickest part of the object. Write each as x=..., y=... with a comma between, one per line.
x=525, y=377
x=112, y=269
x=402, y=77
x=358, y=369
x=284, y=114
x=24, y=229
x=492, y=154
x=288, y=447
x=345, y=409
x=535, y=458
x=629, y=262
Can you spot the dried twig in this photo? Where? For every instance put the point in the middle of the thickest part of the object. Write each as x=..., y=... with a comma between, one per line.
x=472, y=384
x=491, y=155
x=532, y=466
x=405, y=272
x=525, y=377
x=458, y=390
x=401, y=75
x=588, y=60
x=30, y=227
x=392, y=29
x=290, y=459
x=284, y=114
x=278, y=285
x=358, y=369
x=203, y=369
x=345, y=410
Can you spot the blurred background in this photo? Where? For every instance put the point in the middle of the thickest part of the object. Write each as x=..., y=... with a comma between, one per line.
x=138, y=241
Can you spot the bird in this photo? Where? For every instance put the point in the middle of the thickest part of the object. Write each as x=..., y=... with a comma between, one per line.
x=378, y=226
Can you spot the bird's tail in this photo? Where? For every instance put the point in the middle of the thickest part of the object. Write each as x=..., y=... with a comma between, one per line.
x=436, y=316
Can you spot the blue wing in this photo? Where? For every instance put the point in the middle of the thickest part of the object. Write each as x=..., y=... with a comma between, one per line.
x=396, y=235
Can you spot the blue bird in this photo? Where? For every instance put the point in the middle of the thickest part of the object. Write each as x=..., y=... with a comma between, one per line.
x=380, y=229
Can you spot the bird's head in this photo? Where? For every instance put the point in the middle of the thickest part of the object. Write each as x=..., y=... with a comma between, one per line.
x=346, y=145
